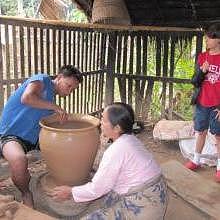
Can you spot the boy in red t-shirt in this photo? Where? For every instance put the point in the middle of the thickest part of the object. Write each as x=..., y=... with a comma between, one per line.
x=207, y=84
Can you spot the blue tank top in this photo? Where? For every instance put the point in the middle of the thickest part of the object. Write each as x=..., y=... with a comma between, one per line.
x=22, y=120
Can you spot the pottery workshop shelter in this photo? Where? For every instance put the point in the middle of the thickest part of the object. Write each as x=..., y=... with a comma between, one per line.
x=129, y=51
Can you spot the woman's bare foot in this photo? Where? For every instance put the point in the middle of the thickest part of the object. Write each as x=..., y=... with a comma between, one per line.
x=28, y=199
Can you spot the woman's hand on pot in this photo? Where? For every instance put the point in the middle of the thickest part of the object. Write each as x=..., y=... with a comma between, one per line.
x=62, y=193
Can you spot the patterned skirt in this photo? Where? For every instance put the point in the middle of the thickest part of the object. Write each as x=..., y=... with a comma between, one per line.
x=147, y=202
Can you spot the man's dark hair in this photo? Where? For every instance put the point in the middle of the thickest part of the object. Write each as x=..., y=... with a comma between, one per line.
x=71, y=71
x=121, y=114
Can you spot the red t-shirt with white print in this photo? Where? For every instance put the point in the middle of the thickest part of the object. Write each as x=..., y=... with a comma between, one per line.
x=210, y=90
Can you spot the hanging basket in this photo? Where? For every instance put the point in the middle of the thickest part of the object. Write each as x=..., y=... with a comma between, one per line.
x=110, y=12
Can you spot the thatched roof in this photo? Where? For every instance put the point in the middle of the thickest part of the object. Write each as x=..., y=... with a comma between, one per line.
x=182, y=13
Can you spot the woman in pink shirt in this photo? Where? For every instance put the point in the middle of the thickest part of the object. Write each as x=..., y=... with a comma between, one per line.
x=128, y=181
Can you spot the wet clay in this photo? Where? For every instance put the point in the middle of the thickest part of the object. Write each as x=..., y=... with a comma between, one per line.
x=69, y=149
x=70, y=125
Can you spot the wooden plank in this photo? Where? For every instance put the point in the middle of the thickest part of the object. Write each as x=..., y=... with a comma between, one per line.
x=78, y=48
x=7, y=53
x=89, y=68
x=98, y=59
x=124, y=70
x=93, y=68
x=109, y=89
x=96, y=92
x=145, y=41
x=64, y=47
x=41, y=50
x=172, y=63
x=69, y=47
x=86, y=50
x=130, y=82
x=85, y=94
x=86, y=69
x=138, y=72
x=22, y=64
x=29, y=55
x=48, y=50
x=35, y=51
x=82, y=53
x=59, y=49
x=82, y=69
x=165, y=71
x=202, y=193
x=15, y=51
x=74, y=48
x=54, y=43
x=118, y=61
x=90, y=50
x=102, y=66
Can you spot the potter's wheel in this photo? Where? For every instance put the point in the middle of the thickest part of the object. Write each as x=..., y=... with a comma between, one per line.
x=42, y=186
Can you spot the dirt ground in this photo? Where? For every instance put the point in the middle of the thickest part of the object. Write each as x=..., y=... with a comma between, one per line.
x=178, y=209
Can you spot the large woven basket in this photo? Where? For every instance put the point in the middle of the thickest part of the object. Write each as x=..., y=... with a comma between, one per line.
x=50, y=9
x=110, y=12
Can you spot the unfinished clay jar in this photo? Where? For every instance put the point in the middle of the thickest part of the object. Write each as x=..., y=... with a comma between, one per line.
x=69, y=148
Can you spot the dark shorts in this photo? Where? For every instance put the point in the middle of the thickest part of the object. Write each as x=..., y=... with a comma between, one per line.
x=204, y=118
x=26, y=145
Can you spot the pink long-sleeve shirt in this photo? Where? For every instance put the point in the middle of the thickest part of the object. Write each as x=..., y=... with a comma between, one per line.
x=125, y=164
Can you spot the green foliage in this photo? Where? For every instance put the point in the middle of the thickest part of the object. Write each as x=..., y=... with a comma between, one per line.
x=77, y=16
x=8, y=7
x=30, y=7
x=156, y=102
x=184, y=69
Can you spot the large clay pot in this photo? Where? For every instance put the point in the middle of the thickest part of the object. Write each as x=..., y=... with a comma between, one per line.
x=69, y=148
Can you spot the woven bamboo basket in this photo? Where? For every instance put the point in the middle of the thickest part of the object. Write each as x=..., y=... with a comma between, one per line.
x=49, y=9
x=110, y=12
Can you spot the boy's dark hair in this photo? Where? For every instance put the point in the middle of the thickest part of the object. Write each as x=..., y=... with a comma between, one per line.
x=71, y=71
x=123, y=115
x=213, y=31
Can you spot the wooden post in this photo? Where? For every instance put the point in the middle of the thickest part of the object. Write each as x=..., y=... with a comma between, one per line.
x=199, y=41
x=109, y=89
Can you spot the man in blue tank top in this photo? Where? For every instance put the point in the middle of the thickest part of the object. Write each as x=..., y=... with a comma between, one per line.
x=19, y=123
